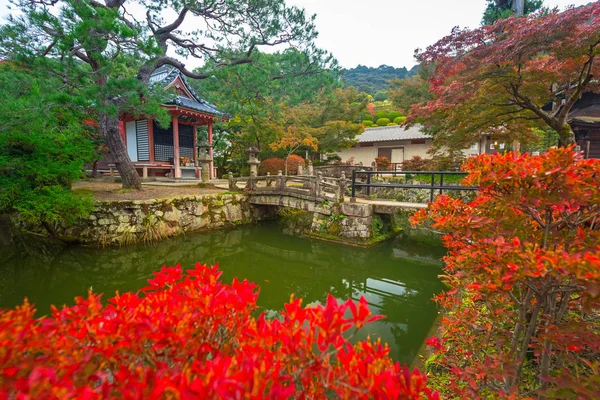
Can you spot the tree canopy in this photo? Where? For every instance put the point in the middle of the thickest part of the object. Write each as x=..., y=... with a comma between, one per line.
x=120, y=43
x=403, y=93
x=305, y=104
x=511, y=77
x=500, y=9
x=44, y=143
x=375, y=81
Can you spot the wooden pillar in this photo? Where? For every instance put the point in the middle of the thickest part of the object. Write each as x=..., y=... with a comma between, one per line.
x=176, y=145
x=195, y=143
x=210, y=140
x=151, y=139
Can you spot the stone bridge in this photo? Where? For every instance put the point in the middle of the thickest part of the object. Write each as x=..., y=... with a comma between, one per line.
x=328, y=214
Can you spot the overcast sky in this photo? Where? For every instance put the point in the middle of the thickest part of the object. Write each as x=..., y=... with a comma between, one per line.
x=375, y=32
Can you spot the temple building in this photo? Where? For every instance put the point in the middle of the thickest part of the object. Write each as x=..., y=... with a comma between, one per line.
x=158, y=151
x=399, y=144
x=584, y=119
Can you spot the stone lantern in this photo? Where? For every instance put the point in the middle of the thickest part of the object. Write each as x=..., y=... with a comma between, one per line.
x=204, y=158
x=253, y=161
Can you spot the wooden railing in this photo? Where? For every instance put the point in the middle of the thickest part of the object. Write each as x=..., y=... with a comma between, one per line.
x=317, y=188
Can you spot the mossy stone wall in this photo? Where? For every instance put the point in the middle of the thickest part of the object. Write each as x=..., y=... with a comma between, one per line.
x=137, y=221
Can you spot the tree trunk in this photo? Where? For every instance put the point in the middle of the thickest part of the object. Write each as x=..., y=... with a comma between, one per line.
x=110, y=130
x=95, y=169
x=518, y=7
x=566, y=136
x=285, y=167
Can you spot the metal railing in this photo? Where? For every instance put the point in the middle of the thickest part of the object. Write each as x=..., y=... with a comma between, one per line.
x=432, y=187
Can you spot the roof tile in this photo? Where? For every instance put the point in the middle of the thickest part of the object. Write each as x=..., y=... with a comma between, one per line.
x=165, y=75
x=389, y=133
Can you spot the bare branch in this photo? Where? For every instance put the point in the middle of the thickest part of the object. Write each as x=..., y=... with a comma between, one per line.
x=171, y=27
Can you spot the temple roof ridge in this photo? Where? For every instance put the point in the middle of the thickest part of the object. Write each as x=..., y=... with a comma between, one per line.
x=166, y=75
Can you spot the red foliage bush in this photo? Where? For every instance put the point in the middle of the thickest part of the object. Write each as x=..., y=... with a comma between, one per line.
x=524, y=277
x=187, y=335
x=383, y=163
x=271, y=165
x=274, y=165
x=416, y=163
x=293, y=162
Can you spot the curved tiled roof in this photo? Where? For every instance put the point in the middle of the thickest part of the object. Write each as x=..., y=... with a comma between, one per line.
x=389, y=133
x=165, y=75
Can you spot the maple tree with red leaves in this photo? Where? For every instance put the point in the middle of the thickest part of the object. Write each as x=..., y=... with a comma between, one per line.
x=513, y=76
x=189, y=336
x=523, y=271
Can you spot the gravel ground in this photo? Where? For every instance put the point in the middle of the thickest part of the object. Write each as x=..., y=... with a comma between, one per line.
x=105, y=189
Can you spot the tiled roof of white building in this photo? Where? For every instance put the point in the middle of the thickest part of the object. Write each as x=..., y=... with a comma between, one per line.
x=389, y=133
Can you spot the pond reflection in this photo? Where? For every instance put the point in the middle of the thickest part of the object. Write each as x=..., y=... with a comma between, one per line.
x=398, y=278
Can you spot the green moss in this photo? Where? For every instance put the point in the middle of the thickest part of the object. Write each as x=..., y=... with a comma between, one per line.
x=123, y=190
x=217, y=203
x=377, y=225
x=334, y=228
x=297, y=220
x=82, y=191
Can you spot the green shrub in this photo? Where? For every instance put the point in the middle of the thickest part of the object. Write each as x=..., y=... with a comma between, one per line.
x=44, y=144
x=394, y=114
x=367, y=122
x=380, y=114
x=399, y=120
x=36, y=173
x=383, y=121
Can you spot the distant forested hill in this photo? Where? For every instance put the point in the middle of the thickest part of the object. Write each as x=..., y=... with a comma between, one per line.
x=372, y=80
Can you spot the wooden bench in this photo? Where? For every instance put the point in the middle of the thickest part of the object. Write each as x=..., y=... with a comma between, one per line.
x=145, y=168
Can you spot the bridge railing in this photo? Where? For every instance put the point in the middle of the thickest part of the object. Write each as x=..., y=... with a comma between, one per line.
x=317, y=187
x=363, y=179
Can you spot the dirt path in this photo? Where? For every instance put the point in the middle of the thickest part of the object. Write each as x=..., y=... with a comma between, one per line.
x=103, y=189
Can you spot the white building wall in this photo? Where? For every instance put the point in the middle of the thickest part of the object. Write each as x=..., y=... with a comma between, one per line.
x=420, y=150
x=366, y=155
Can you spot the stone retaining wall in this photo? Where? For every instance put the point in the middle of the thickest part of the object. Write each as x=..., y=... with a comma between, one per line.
x=133, y=221
x=141, y=221
x=335, y=171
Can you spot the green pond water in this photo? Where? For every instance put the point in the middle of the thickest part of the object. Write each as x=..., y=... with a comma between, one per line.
x=398, y=278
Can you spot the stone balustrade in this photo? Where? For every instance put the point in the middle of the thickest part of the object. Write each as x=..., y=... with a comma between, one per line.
x=317, y=188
